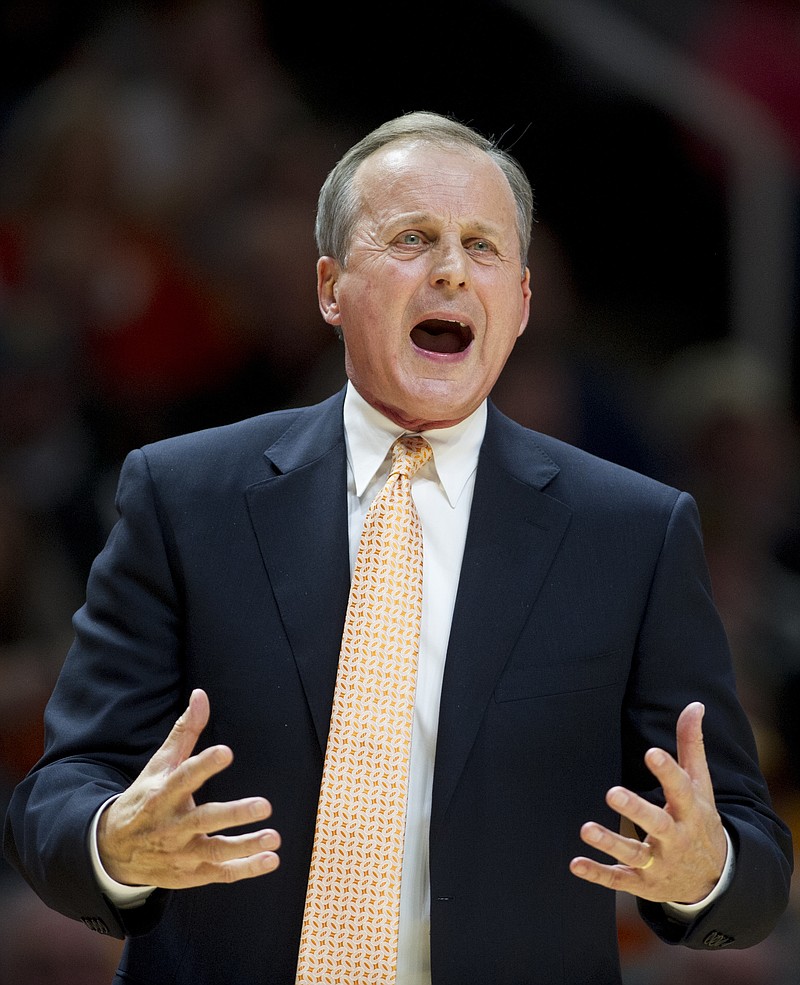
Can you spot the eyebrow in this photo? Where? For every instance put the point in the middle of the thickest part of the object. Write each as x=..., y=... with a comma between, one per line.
x=423, y=218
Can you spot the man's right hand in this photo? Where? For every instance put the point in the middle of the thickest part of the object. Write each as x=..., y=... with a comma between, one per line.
x=154, y=834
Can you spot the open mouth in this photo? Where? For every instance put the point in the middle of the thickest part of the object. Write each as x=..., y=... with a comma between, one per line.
x=441, y=335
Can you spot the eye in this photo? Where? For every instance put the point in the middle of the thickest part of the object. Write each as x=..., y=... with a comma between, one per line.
x=409, y=242
x=480, y=246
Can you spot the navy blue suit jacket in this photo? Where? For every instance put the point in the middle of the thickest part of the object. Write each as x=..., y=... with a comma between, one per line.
x=584, y=623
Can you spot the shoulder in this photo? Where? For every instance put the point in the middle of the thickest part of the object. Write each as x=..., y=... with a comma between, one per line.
x=241, y=445
x=255, y=433
x=572, y=475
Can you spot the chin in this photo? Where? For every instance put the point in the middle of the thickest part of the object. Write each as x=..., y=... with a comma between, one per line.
x=425, y=409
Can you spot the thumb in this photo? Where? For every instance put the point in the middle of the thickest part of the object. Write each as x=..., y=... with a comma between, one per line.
x=691, y=745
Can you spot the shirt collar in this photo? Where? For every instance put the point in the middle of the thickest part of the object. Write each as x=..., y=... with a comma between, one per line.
x=369, y=436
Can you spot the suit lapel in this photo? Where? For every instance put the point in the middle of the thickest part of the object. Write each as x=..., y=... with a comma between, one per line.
x=299, y=515
x=514, y=532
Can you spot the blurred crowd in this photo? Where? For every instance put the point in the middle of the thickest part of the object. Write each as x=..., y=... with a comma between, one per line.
x=157, y=195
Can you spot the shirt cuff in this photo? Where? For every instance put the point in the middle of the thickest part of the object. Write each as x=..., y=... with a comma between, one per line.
x=687, y=911
x=122, y=896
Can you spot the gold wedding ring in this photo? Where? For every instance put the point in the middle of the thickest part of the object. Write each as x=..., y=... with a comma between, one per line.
x=648, y=863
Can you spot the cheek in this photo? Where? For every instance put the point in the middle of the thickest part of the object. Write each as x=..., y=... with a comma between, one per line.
x=361, y=309
x=367, y=351
x=504, y=339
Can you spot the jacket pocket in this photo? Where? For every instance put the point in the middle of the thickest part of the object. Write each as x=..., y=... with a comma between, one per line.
x=536, y=675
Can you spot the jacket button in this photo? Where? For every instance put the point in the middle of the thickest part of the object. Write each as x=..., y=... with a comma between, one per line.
x=96, y=924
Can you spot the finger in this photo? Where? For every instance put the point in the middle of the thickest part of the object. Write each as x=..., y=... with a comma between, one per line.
x=213, y=817
x=190, y=776
x=680, y=793
x=616, y=877
x=220, y=849
x=687, y=781
x=180, y=743
x=197, y=869
x=641, y=882
x=640, y=812
x=249, y=868
x=627, y=851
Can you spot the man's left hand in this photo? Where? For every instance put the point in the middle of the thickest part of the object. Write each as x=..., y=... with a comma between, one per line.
x=683, y=854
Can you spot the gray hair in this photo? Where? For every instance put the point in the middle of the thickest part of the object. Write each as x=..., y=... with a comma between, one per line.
x=339, y=204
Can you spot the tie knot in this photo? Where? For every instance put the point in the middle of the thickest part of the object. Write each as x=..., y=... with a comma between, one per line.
x=409, y=453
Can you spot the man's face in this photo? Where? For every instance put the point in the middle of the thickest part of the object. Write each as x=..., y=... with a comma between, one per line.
x=433, y=296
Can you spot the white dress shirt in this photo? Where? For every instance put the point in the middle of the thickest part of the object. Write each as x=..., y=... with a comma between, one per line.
x=442, y=492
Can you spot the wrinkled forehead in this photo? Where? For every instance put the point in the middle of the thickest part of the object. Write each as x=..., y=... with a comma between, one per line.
x=421, y=176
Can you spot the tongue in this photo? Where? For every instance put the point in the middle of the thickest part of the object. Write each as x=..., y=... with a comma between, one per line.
x=438, y=340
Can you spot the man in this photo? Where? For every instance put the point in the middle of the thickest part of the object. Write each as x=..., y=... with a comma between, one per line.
x=573, y=672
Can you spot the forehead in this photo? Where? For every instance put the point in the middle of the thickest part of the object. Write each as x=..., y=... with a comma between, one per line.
x=459, y=184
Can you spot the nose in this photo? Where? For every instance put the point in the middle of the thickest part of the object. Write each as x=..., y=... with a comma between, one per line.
x=449, y=267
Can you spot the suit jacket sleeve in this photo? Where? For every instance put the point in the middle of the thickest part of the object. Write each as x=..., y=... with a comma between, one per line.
x=681, y=619
x=118, y=695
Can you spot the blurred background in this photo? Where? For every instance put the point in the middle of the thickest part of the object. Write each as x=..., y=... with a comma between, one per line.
x=159, y=167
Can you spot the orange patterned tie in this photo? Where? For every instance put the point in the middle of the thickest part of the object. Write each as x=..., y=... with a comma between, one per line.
x=353, y=899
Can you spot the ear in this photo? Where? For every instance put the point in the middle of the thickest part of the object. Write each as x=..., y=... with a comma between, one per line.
x=526, y=301
x=328, y=272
